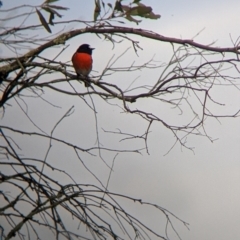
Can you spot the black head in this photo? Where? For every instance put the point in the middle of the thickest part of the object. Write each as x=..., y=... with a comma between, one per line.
x=85, y=48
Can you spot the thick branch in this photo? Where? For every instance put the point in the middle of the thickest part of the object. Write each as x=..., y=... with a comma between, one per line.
x=61, y=39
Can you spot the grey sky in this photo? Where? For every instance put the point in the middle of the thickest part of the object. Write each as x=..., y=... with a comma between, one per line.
x=201, y=188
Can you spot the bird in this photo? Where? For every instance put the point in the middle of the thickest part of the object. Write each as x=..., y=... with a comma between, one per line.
x=82, y=61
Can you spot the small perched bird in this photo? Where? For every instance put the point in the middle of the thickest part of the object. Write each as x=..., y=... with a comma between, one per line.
x=82, y=61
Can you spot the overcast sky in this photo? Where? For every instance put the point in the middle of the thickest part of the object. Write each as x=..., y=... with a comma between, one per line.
x=202, y=188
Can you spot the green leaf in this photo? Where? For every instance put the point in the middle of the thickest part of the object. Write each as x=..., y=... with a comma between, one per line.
x=58, y=7
x=143, y=11
x=131, y=19
x=152, y=15
x=43, y=21
x=140, y=11
x=51, y=1
x=97, y=10
x=51, y=17
x=103, y=4
x=126, y=8
x=136, y=1
x=51, y=11
x=118, y=6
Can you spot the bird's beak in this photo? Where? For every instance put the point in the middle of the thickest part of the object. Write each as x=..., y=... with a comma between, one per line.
x=92, y=48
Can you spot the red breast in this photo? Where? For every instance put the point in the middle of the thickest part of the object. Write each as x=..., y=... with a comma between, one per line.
x=82, y=60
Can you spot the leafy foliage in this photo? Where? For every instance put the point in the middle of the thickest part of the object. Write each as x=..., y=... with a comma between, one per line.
x=51, y=9
x=134, y=8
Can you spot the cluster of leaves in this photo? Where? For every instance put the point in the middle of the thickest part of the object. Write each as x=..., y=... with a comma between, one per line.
x=51, y=9
x=135, y=8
